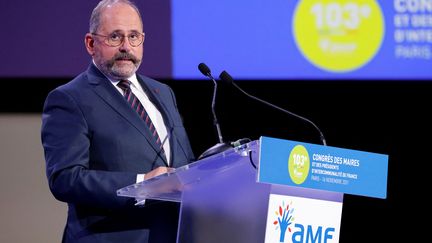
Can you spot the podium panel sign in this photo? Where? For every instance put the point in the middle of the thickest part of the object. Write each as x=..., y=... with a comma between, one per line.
x=298, y=220
x=322, y=167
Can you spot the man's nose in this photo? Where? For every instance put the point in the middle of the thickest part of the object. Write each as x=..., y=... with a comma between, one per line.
x=125, y=46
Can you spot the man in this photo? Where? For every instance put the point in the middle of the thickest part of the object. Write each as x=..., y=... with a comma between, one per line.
x=109, y=128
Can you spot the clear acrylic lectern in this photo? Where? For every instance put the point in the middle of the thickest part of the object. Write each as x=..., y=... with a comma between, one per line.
x=220, y=198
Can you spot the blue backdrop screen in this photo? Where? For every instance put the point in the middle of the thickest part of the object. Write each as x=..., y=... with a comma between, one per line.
x=254, y=39
x=305, y=39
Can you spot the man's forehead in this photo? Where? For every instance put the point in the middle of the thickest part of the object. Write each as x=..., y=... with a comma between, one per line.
x=122, y=20
x=121, y=12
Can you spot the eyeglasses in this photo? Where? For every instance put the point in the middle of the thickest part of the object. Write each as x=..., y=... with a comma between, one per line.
x=115, y=39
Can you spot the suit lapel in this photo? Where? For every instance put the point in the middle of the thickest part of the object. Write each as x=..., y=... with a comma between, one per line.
x=153, y=93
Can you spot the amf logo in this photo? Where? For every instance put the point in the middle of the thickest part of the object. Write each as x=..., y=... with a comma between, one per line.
x=284, y=219
x=302, y=220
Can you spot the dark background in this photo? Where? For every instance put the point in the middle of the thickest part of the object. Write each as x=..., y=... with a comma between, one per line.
x=45, y=38
x=389, y=117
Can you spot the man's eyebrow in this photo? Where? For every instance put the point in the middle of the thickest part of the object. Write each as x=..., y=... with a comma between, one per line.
x=121, y=31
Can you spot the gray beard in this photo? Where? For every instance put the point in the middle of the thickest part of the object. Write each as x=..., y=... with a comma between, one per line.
x=110, y=69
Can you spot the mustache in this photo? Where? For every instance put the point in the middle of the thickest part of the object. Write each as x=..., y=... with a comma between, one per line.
x=125, y=55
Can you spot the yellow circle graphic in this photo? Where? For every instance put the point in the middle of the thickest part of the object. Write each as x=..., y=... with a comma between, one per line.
x=298, y=164
x=338, y=35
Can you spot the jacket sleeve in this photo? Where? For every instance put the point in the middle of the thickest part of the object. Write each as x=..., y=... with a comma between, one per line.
x=66, y=141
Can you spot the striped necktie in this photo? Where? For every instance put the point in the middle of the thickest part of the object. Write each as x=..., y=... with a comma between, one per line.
x=139, y=108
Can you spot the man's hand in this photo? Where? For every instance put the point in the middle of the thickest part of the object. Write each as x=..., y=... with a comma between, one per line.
x=158, y=171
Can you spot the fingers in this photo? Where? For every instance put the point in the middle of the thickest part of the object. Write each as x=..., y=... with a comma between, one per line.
x=158, y=171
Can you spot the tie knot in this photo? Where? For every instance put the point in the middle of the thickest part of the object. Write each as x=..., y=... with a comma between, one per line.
x=124, y=85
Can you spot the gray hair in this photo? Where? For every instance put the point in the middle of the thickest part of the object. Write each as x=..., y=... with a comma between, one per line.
x=97, y=11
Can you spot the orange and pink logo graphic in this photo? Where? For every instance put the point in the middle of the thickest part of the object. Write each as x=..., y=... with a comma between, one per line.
x=285, y=218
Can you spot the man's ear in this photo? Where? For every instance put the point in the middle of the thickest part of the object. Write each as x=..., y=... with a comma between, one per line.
x=89, y=44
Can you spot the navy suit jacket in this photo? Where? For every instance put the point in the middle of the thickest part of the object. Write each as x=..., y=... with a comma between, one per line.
x=94, y=144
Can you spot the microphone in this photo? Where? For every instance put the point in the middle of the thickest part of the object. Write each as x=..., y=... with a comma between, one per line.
x=226, y=78
x=221, y=146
